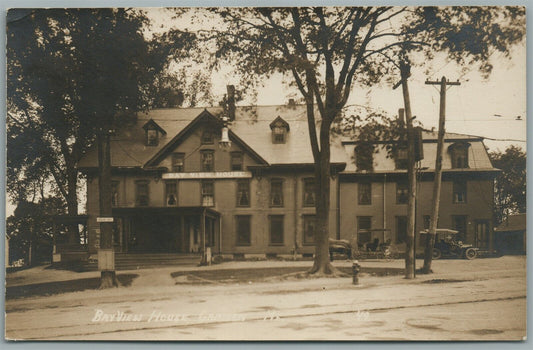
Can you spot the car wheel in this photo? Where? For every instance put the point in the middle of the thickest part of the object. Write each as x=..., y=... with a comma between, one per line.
x=436, y=254
x=470, y=253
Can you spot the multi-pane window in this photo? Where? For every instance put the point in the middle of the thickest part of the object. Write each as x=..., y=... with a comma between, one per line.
x=401, y=229
x=276, y=229
x=459, y=154
x=459, y=191
x=208, y=193
x=364, y=156
x=309, y=229
x=309, y=192
x=207, y=137
x=178, y=162
x=171, y=193
x=401, y=157
x=364, y=193
x=243, y=229
x=114, y=193
x=402, y=193
x=142, y=194
x=278, y=134
x=243, y=193
x=236, y=161
x=208, y=160
x=276, y=192
x=364, y=226
x=152, y=137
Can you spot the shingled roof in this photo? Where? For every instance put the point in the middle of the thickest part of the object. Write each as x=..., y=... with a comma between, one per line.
x=252, y=126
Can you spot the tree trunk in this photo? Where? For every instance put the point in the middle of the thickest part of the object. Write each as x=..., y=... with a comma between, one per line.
x=322, y=263
x=72, y=204
x=108, y=277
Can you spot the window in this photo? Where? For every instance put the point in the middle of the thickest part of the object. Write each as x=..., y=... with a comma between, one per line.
x=243, y=193
x=171, y=193
x=459, y=191
x=236, y=161
x=309, y=192
x=208, y=194
x=459, y=155
x=401, y=229
x=364, y=193
x=364, y=156
x=276, y=229
x=207, y=137
x=279, y=134
x=401, y=157
x=309, y=229
x=208, y=160
x=276, y=193
x=114, y=193
x=178, y=162
x=243, y=229
x=152, y=137
x=142, y=195
x=402, y=193
x=279, y=129
x=364, y=225
x=459, y=224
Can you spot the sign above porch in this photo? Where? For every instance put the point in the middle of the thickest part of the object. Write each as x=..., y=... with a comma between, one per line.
x=208, y=175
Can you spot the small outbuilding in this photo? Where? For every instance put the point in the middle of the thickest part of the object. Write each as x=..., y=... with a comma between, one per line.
x=510, y=236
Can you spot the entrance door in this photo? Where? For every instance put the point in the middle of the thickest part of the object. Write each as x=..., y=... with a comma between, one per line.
x=482, y=234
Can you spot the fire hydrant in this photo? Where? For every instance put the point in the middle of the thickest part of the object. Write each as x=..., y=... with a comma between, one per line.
x=355, y=272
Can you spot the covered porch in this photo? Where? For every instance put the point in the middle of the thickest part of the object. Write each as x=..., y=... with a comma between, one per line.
x=183, y=230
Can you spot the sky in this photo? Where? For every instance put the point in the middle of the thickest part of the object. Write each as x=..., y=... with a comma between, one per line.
x=482, y=107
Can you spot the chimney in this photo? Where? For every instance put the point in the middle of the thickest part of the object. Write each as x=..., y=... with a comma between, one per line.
x=291, y=103
x=231, y=102
x=401, y=116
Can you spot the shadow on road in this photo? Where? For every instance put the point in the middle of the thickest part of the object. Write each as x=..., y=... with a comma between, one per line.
x=49, y=288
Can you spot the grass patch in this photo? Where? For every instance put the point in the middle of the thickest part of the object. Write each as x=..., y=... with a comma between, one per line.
x=262, y=274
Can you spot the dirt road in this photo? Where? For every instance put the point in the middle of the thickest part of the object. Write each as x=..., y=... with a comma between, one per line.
x=482, y=299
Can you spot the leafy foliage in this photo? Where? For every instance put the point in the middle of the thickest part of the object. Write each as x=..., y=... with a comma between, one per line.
x=327, y=50
x=71, y=72
x=33, y=222
x=510, y=186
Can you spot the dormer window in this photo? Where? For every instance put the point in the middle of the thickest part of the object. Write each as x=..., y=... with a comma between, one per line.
x=364, y=156
x=459, y=155
x=153, y=133
x=152, y=137
x=279, y=129
x=401, y=157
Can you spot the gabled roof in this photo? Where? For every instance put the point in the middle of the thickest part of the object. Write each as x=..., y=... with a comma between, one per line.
x=204, y=116
x=151, y=124
x=279, y=121
x=515, y=222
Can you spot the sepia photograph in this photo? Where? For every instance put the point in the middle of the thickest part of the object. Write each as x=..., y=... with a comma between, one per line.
x=310, y=173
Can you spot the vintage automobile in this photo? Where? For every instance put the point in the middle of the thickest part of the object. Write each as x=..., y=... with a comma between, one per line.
x=340, y=246
x=447, y=245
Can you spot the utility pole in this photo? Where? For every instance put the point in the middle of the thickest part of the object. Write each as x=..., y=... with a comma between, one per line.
x=405, y=71
x=106, y=254
x=430, y=237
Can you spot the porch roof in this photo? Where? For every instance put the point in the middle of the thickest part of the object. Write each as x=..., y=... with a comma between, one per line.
x=167, y=210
